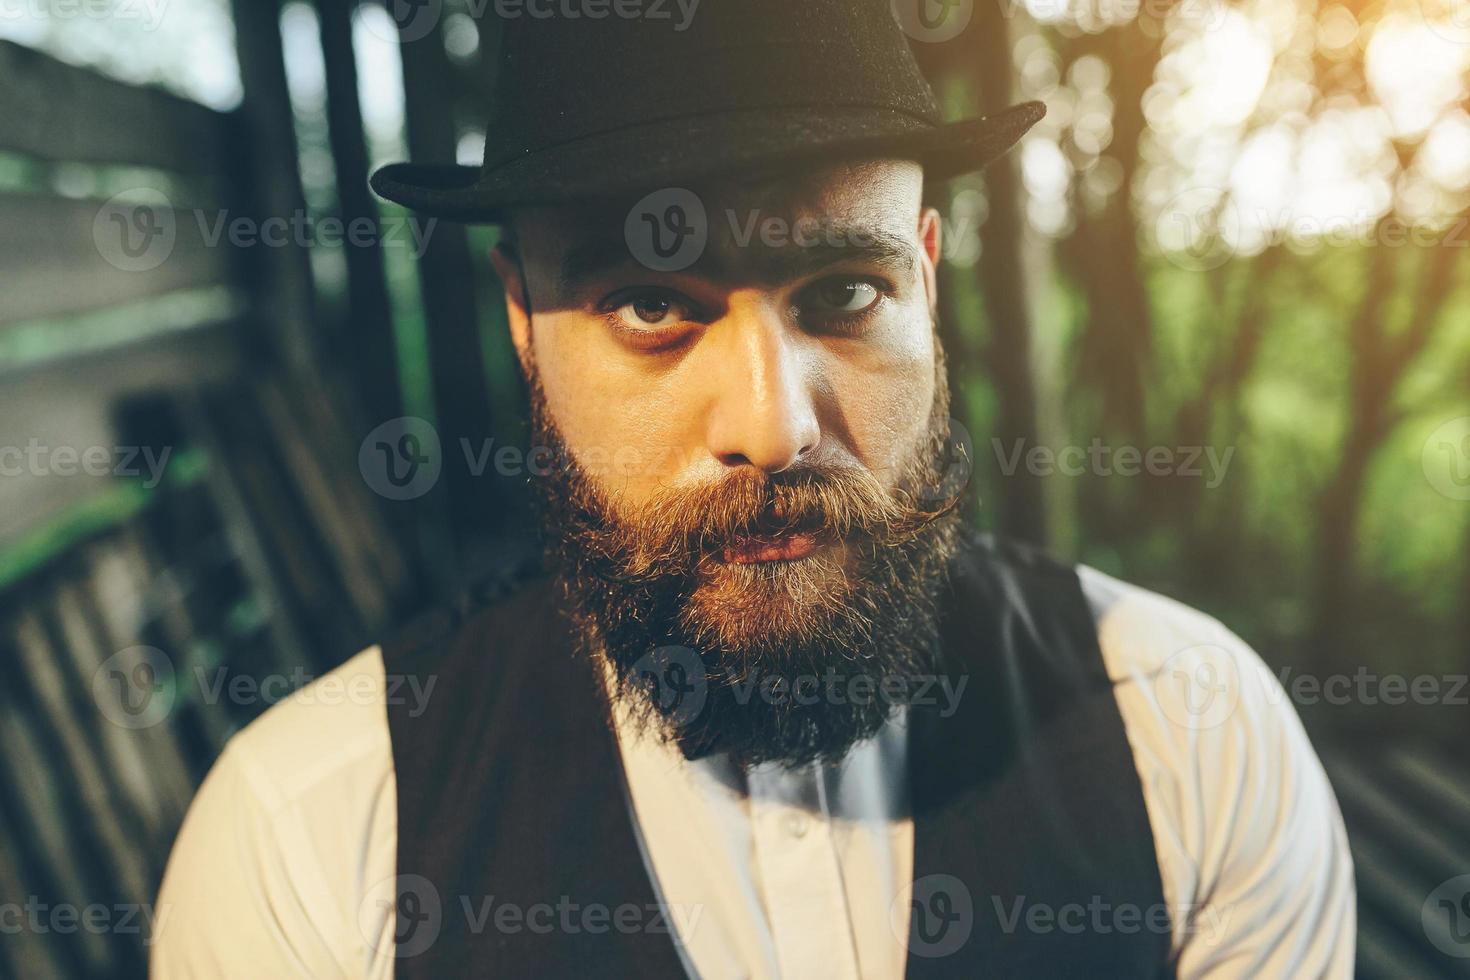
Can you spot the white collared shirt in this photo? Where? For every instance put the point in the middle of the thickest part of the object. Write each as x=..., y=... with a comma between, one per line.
x=289, y=849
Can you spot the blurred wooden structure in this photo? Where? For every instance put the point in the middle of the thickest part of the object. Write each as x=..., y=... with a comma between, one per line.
x=126, y=604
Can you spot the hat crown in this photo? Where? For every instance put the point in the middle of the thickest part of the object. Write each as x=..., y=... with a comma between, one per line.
x=571, y=69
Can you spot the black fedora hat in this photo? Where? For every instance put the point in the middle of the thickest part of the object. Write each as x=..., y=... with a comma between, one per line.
x=599, y=97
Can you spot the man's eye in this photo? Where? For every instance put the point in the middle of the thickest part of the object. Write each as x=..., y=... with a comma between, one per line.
x=845, y=296
x=643, y=311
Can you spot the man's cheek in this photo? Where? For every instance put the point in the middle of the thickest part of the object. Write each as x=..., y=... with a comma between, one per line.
x=581, y=400
x=630, y=457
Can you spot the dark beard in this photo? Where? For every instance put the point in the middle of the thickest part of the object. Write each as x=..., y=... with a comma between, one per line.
x=787, y=662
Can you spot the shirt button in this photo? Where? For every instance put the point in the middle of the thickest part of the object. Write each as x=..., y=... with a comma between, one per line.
x=797, y=825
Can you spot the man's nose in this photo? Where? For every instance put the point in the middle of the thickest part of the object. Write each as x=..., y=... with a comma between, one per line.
x=763, y=411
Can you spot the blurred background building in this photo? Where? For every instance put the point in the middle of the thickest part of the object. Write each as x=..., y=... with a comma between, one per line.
x=1209, y=329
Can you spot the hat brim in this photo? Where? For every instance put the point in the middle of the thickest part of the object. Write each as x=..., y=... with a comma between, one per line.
x=690, y=150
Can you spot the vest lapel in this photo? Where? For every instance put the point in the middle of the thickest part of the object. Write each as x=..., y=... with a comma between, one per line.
x=1026, y=801
x=509, y=802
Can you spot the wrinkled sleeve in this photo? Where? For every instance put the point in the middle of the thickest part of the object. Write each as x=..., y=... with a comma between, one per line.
x=230, y=900
x=1251, y=845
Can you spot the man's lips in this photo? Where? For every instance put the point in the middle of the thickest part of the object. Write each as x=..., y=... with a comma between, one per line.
x=778, y=547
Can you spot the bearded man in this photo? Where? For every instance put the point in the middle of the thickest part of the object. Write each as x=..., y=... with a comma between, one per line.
x=773, y=711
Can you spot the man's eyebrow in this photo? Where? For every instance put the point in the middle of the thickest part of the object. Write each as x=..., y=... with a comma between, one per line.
x=797, y=255
x=590, y=259
x=833, y=245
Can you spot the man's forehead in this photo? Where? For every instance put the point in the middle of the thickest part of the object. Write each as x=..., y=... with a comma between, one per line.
x=852, y=192
x=866, y=210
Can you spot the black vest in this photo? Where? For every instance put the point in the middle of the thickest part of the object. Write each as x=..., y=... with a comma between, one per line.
x=1033, y=855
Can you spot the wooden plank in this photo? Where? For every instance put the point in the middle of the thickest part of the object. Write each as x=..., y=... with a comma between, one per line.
x=348, y=541
x=175, y=618
x=461, y=512
x=85, y=656
x=73, y=722
x=385, y=539
x=59, y=112
x=1382, y=954
x=121, y=587
x=1361, y=790
x=33, y=785
x=366, y=332
x=60, y=256
x=269, y=172
x=25, y=952
x=243, y=532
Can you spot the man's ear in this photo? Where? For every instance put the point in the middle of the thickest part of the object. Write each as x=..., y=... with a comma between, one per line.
x=931, y=242
x=508, y=267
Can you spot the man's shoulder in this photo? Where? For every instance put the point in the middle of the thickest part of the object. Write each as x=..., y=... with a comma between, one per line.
x=337, y=725
x=294, y=822
x=1250, y=844
x=334, y=727
x=1187, y=667
x=1143, y=632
